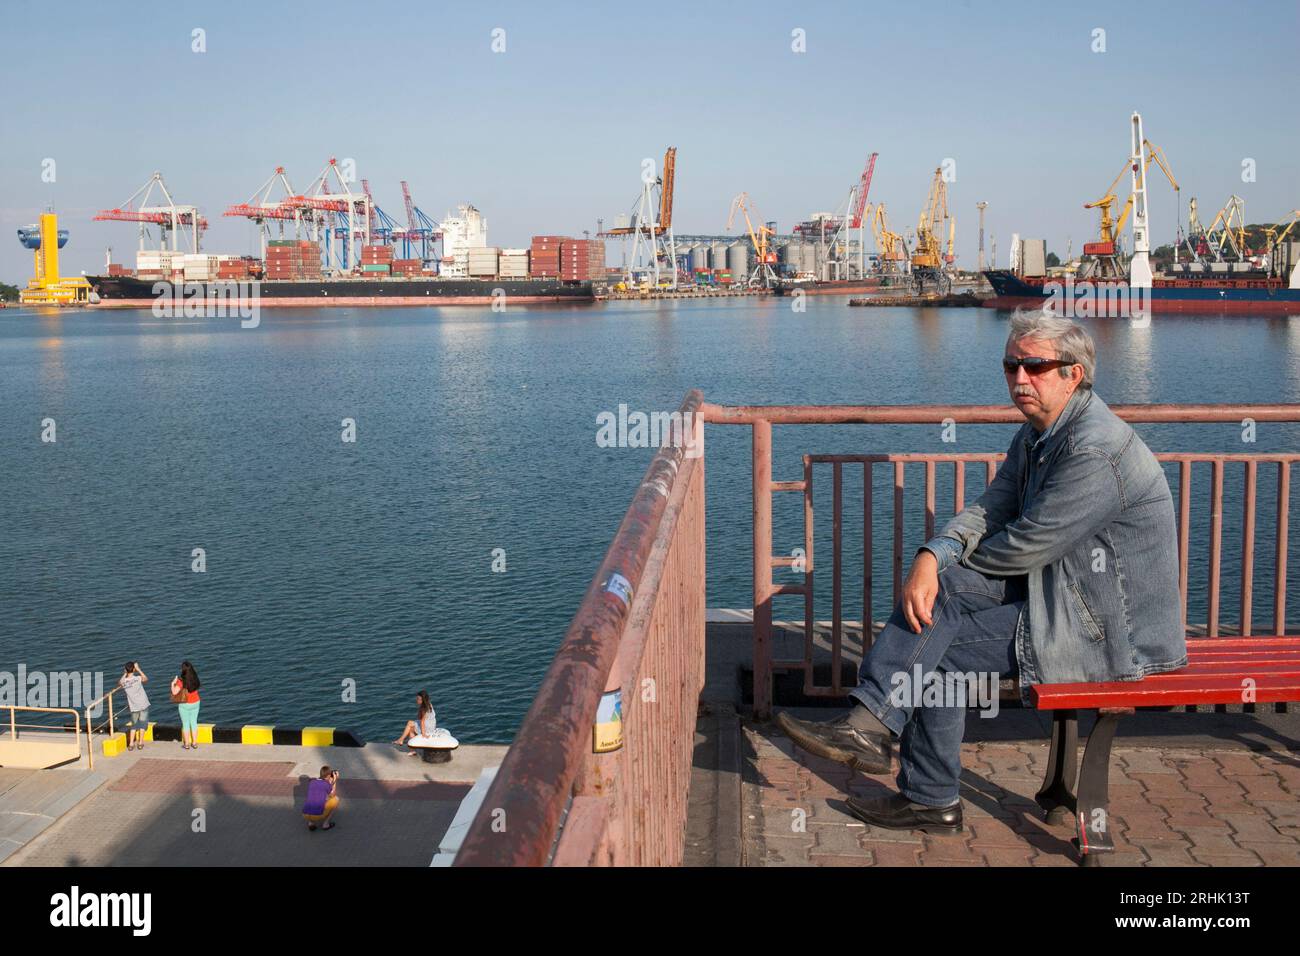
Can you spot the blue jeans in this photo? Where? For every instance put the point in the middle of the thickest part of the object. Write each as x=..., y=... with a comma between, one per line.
x=972, y=629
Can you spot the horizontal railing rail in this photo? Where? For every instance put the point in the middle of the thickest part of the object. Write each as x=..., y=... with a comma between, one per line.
x=763, y=487
x=642, y=615
x=14, y=724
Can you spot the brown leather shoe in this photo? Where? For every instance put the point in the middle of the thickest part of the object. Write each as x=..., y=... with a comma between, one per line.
x=896, y=812
x=840, y=741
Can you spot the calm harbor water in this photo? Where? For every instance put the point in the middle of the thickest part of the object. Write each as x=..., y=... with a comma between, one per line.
x=331, y=562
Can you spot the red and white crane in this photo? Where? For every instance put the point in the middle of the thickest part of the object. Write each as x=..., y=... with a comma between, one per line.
x=171, y=218
x=858, y=220
x=261, y=210
x=316, y=205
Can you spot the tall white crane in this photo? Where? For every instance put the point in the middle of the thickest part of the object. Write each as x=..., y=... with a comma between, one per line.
x=1139, y=268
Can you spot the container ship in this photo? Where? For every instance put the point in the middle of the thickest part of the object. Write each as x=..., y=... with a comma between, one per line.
x=553, y=269
x=130, y=292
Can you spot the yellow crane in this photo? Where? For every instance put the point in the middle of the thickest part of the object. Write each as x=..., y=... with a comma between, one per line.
x=1279, y=232
x=764, y=253
x=928, y=264
x=1105, y=250
x=889, y=245
x=1275, y=236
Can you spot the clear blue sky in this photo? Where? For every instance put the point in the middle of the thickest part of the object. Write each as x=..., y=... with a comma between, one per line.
x=549, y=135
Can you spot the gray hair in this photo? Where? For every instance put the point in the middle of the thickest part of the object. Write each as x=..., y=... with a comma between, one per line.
x=1072, y=342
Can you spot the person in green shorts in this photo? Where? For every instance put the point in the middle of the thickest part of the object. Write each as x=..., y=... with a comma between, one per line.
x=185, y=691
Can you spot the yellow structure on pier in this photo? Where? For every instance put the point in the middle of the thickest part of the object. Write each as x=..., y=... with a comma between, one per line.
x=45, y=286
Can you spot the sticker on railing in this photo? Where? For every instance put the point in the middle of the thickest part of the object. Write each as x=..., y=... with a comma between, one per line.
x=607, y=734
x=619, y=587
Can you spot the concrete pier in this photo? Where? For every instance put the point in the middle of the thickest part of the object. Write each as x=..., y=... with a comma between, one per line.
x=233, y=805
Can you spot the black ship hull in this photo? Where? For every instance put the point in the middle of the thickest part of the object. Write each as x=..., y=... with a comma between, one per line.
x=131, y=292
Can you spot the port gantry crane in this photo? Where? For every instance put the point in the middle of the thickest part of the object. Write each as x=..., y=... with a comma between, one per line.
x=352, y=210
x=834, y=259
x=764, y=254
x=858, y=219
x=651, y=228
x=1227, y=230
x=170, y=218
x=420, y=229
x=890, y=248
x=1274, y=236
x=383, y=228
x=1102, y=257
x=929, y=266
x=262, y=211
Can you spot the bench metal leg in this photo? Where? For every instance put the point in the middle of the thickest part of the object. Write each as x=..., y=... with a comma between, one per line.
x=1093, y=813
x=1056, y=796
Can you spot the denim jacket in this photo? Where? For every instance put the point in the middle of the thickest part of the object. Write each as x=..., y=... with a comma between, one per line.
x=1084, y=511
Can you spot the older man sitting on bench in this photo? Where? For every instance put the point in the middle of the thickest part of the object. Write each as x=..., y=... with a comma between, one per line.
x=1064, y=570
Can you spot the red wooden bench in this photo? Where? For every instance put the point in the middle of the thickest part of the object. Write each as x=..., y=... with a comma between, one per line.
x=1234, y=670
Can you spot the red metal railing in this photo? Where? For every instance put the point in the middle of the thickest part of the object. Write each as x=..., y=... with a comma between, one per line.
x=555, y=800
x=761, y=419
x=626, y=806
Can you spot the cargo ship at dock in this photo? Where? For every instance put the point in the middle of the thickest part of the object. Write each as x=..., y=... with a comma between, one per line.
x=834, y=286
x=131, y=292
x=1245, y=292
x=1220, y=274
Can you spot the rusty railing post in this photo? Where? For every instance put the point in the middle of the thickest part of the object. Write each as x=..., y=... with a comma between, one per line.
x=762, y=480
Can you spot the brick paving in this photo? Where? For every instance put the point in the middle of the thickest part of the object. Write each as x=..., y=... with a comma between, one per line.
x=237, y=778
x=223, y=811
x=1169, y=808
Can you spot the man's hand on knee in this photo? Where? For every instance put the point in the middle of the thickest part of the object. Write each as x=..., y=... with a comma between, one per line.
x=920, y=590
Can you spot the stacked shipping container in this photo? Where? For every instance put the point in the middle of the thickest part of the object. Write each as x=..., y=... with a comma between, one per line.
x=158, y=263
x=514, y=264
x=376, y=260
x=198, y=267
x=544, y=257
x=236, y=269
x=483, y=261
x=582, y=259
x=292, y=259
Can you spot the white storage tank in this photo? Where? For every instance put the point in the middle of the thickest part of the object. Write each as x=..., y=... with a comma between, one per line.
x=808, y=258
x=738, y=261
x=718, y=256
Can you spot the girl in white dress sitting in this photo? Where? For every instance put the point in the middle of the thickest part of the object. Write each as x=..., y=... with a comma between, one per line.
x=422, y=728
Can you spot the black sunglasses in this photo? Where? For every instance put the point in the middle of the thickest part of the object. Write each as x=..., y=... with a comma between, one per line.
x=1032, y=364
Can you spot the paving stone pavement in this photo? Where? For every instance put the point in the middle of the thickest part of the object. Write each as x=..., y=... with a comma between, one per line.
x=1171, y=807
x=178, y=809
